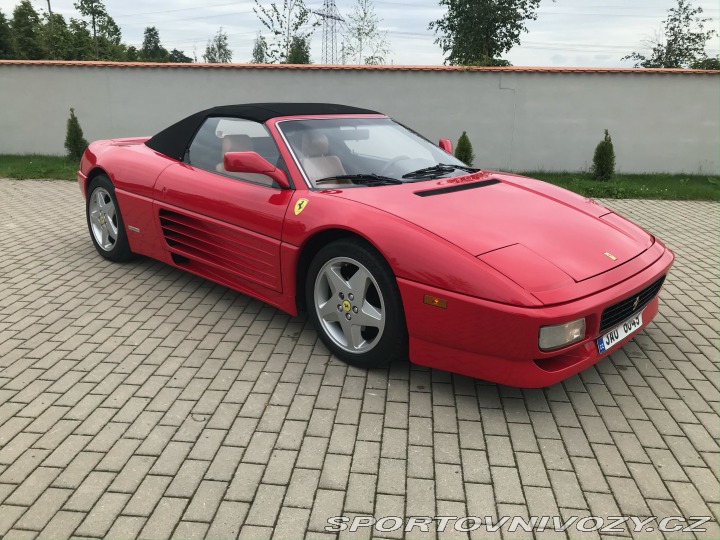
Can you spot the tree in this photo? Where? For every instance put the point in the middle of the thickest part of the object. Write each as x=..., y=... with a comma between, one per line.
x=603, y=167
x=105, y=32
x=27, y=32
x=110, y=31
x=260, y=50
x=152, y=50
x=132, y=54
x=75, y=142
x=50, y=23
x=478, y=32
x=299, y=51
x=82, y=46
x=179, y=57
x=707, y=63
x=7, y=51
x=217, y=50
x=364, y=42
x=464, y=150
x=56, y=37
x=291, y=21
x=682, y=41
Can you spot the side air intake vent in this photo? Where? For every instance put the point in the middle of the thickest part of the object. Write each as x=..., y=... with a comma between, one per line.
x=194, y=242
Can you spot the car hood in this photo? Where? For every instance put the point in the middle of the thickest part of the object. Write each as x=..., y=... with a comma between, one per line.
x=485, y=212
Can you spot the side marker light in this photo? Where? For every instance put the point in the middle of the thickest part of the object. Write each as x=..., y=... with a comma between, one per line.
x=435, y=301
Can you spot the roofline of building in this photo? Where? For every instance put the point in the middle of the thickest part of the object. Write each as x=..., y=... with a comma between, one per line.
x=322, y=67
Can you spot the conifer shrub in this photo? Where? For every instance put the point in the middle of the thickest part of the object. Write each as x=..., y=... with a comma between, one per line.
x=603, y=167
x=464, y=150
x=75, y=142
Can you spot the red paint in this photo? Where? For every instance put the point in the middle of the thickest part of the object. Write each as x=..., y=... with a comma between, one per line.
x=509, y=257
x=252, y=162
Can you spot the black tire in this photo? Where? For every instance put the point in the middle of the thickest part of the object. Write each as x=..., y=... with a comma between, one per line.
x=382, y=294
x=117, y=249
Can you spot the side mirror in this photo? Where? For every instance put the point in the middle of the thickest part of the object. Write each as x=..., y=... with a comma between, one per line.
x=252, y=162
x=446, y=145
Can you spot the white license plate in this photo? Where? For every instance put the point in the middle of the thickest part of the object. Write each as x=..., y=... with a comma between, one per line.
x=616, y=335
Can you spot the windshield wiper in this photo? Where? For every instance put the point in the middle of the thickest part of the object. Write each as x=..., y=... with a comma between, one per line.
x=361, y=179
x=438, y=170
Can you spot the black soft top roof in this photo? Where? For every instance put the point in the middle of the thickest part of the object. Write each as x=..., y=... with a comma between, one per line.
x=173, y=141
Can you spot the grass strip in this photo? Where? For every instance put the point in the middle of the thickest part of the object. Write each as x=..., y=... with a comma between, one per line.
x=682, y=187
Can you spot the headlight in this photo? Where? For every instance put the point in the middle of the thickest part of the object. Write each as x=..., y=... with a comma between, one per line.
x=560, y=335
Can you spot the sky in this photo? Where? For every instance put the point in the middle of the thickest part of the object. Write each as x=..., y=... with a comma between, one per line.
x=571, y=33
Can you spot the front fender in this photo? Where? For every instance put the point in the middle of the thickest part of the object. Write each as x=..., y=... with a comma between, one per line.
x=413, y=252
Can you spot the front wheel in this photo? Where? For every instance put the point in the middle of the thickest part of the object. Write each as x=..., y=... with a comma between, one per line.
x=354, y=302
x=105, y=222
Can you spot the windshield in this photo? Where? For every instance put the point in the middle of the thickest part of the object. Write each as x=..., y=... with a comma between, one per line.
x=365, y=152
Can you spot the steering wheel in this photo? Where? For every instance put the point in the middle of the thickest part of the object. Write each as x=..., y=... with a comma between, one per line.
x=390, y=164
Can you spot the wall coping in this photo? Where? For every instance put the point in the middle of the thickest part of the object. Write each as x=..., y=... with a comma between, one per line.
x=322, y=67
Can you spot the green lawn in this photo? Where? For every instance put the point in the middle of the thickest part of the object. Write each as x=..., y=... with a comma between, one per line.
x=37, y=166
x=623, y=186
x=682, y=187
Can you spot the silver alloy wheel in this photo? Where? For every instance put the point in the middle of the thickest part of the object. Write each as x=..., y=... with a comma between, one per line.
x=103, y=219
x=349, y=305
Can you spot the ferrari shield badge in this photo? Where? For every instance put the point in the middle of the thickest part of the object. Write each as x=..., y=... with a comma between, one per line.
x=300, y=206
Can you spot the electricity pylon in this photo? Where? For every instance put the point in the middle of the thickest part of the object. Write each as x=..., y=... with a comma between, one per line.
x=330, y=16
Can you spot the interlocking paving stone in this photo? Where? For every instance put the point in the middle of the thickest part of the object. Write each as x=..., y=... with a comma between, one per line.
x=302, y=488
x=92, y=488
x=205, y=502
x=266, y=505
x=126, y=527
x=164, y=518
x=62, y=525
x=147, y=495
x=140, y=401
x=40, y=513
x=101, y=518
x=361, y=493
x=292, y=523
x=228, y=520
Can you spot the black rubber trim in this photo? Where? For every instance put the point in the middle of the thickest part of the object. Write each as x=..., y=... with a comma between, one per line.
x=461, y=187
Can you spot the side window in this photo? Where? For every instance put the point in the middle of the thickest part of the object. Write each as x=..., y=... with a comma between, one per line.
x=220, y=135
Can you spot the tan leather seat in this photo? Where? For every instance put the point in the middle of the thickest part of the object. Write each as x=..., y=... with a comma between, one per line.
x=316, y=163
x=240, y=143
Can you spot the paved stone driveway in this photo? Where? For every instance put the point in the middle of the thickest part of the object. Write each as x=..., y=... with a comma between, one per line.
x=137, y=400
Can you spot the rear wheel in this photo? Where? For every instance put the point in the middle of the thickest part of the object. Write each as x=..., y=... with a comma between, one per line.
x=354, y=302
x=105, y=223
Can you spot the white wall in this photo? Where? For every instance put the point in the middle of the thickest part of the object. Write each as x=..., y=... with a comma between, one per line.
x=516, y=120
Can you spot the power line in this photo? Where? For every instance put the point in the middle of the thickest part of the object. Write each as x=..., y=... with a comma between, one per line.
x=134, y=14
x=213, y=16
x=247, y=9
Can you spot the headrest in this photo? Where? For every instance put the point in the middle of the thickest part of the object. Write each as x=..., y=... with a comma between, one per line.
x=237, y=143
x=315, y=144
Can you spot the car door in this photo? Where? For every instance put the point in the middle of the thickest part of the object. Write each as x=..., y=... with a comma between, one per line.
x=221, y=225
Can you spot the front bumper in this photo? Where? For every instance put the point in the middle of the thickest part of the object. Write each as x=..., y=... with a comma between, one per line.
x=82, y=182
x=499, y=342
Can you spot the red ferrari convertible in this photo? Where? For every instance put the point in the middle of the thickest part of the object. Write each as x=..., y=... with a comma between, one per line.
x=392, y=246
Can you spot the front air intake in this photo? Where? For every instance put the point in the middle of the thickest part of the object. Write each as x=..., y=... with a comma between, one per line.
x=621, y=311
